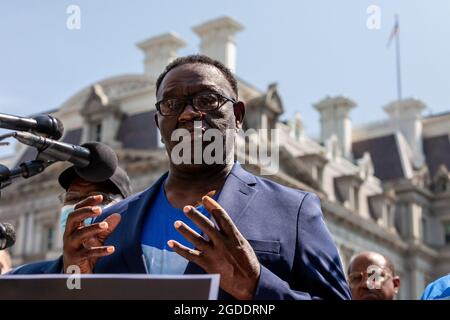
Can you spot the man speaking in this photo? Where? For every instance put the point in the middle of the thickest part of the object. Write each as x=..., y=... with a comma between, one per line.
x=265, y=240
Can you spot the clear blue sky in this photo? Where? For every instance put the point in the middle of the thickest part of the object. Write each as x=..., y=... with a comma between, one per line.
x=311, y=48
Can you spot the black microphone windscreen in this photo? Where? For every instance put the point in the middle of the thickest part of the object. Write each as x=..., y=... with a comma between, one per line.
x=102, y=163
x=59, y=129
x=8, y=233
x=49, y=125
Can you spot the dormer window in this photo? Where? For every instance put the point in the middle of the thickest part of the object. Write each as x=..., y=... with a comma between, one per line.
x=354, y=198
x=382, y=209
x=102, y=118
x=441, y=180
x=315, y=164
x=263, y=111
x=347, y=191
x=96, y=131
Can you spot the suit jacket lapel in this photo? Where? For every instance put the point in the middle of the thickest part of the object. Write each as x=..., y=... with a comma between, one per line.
x=132, y=224
x=237, y=193
x=235, y=197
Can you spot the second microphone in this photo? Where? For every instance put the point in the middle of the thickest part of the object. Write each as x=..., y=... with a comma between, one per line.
x=94, y=161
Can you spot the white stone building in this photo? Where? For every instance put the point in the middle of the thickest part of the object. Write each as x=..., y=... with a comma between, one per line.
x=384, y=187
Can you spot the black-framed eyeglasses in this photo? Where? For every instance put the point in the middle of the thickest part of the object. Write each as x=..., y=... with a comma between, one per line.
x=73, y=197
x=203, y=102
x=381, y=276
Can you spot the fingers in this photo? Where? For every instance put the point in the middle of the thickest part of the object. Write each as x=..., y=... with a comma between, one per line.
x=221, y=216
x=83, y=234
x=75, y=218
x=187, y=253
x=92, y=242
x=84, y=244
x=90, y=201
x=86, y=208
x=192, y=236
x=96, y=252
x=91, y=235
x=205, y=224
x=113, y=221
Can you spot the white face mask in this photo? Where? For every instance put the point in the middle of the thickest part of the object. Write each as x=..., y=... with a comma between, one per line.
x=68, y=209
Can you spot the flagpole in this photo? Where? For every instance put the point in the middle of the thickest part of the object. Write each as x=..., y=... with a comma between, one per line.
x=397, y=50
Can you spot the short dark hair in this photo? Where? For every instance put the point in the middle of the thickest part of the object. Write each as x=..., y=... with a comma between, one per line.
x=198, y=58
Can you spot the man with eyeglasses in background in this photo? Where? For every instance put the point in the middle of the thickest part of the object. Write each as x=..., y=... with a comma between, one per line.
x=371, y=276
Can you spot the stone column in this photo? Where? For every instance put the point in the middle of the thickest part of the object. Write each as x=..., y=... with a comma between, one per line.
x=335, y=120
x=159, y=51
x=218, y=40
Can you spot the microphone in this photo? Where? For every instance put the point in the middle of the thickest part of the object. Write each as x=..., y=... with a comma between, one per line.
x=7, y=235
x=42, y=124
x=93, y=161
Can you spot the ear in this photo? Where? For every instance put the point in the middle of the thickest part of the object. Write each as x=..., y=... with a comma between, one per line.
x=156, y=119
x=396, y=282
x=157, y=124
x=239, y=113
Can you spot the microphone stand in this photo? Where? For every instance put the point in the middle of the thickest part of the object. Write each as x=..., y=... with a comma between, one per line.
x=26, y=169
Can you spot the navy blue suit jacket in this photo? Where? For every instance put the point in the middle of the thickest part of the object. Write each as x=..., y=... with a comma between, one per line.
x=285, y=227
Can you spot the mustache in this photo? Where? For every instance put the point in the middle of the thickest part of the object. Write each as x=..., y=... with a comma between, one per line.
x=192, y=128
x=207, y=123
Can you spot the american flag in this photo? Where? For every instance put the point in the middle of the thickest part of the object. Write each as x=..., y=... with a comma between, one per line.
x=394, y=32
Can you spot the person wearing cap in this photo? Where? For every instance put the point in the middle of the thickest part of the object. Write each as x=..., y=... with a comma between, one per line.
x=113, y=190
x=116, y=188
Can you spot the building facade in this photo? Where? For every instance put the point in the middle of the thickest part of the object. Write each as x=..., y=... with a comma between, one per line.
x=384, y=186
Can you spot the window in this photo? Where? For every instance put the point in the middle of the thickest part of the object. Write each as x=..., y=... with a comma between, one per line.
x=424, y=230
x=389, y=220
x=48, y=239
x=354, y=198
x=96, y=131
x=317, y=174
x=447, y=232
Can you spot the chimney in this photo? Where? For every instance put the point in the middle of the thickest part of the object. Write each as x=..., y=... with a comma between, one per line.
x=406, y=117
x=335, y=120
x=159, y=51
x=217, y=40
x=296, y=129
